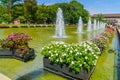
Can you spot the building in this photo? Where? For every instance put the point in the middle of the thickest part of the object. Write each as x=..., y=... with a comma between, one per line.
x=111, y=19
x=16, y=21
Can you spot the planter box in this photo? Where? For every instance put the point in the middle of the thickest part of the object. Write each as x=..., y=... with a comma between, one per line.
x=12, y=53
x=101, y=49
x=7, y=52
x=25, y=57
x=51, y=65
x=65, y=71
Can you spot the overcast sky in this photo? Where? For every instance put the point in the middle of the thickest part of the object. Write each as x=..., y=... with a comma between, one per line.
x=93, y=6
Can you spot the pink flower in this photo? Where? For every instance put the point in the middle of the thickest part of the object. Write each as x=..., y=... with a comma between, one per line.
x=19, y=38
x=25, y=49
x=11, y=37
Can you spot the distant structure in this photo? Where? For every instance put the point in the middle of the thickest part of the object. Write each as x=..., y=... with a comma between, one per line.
x=111, y=19
x=16, y=21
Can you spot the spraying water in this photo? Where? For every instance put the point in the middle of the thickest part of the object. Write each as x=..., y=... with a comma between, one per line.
x=95, y=25
x=80, y=25
x=89, y=26
x=60, y=31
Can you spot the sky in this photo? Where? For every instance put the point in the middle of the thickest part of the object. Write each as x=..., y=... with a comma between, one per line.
x=93, y=6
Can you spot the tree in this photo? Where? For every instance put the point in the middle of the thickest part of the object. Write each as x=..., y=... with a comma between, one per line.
x=85, y=16
x=17, y=10
x=100, y=17
x=7, y=5
x=46, y=14
x=30, y=8
x=22, y=19
x=72, y=11
x=4, y=16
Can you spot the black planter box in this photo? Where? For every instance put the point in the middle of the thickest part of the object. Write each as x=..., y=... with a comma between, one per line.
x=6, y=52
x=101, y=49
x=12, y=53
x=25, y=57
x=65, y=71
x=51, y=65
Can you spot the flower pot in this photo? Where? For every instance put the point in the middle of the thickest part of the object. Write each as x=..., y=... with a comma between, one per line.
x=101, y=49
x=66, y=71
x=47, y=63
x=24, y=57
x=6, y=52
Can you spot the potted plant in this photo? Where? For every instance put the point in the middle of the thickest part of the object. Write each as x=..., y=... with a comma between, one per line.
x=103, y=39
x=73, y=60
x=18, y=44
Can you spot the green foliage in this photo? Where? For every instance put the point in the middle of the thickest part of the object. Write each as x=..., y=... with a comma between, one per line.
x=46, y=14
x=72, y=11
x=22, y=19
x=29, y=11
x=100, y=17
x=30, y=8
x=17, y=10
x=5, y=18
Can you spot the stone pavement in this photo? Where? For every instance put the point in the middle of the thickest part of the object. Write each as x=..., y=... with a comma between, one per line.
x=3, y=77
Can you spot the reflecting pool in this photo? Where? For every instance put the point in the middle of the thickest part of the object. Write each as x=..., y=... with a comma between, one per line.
x=33, y=70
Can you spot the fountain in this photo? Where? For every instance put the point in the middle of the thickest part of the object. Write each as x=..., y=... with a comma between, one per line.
x=60, y=31
x=103, y=25
x=80, y=25
x=98, y=25
x=95, y=25
x=89, y=26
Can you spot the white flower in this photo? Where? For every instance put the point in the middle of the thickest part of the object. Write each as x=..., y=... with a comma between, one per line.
x=86, y=57
x=70, y=51
x=56, y=54
x=49, y=57
x=84, y=62
x=57, y=60
x=65, y=45
x=85, y=50
x=75, y=49
x=96, y=57
x=80, y=65
x=49, y=51
x=63, y=54
x=72, y=62
x=52, y=55
x=77, y=53
x=94, y=63
x=80, y=53
x=98, y=52
x=60, y=60
x=92, y=53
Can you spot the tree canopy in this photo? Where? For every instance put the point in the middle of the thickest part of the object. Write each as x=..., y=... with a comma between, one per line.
x=29, y=11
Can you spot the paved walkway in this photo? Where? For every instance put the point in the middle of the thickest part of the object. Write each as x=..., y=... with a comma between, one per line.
x=3, y=77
